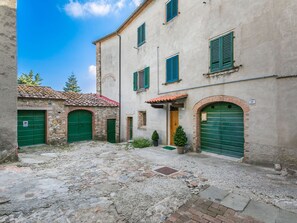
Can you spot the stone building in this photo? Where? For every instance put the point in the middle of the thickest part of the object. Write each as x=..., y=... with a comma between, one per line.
x=8, y=81
x=53, y=117
x=225, y=70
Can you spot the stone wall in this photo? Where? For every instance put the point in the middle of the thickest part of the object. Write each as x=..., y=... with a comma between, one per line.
x=8, y=81
x=55, y=114
x=57, y=118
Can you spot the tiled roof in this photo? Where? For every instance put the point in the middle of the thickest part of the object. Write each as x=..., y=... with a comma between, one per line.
x=88, y=100
x=167, y=98
x=26, y=91
x=70, y=98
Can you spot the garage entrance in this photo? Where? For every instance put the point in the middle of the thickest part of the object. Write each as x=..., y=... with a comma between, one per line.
x=222, y=129
x=80, y=126
x=31, y=127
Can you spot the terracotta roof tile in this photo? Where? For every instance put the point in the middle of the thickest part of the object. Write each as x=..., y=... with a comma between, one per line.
x=71, y=98
x=26, y=91
x=88, y=100
x=167, y=98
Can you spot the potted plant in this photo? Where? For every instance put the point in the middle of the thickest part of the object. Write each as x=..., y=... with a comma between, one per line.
x=180, y=139
x=155, y=138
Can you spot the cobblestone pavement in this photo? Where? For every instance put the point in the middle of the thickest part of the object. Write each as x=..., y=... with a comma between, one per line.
x=205, y=211
x=101, y=182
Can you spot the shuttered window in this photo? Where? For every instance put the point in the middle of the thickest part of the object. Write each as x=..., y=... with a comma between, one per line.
x=172, y=69
x=221, y=53
x=141, y=79
x=171, y=9
x=141, y=35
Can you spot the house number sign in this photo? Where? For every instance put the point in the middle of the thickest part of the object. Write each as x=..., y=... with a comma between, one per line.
x=25, y=124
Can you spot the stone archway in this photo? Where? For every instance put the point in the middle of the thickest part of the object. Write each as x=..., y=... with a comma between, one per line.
x=220, y=98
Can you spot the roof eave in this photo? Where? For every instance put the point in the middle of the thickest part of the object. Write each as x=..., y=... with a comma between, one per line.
x=137, y=11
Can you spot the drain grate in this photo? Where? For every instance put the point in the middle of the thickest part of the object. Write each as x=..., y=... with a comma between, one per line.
x=166, y=170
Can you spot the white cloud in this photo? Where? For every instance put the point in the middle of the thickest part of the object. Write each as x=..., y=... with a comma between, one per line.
x=92, y=70
x=80, y=8
x=137, y=2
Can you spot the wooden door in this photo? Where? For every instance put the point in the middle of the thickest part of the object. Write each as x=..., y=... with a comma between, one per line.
x=173, y=124
x=111, y=130
x=130, y=128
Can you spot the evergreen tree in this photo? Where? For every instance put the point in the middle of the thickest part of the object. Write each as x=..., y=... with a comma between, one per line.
x=30, y=79
x=71, y=84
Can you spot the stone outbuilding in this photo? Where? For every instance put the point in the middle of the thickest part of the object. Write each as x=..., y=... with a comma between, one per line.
x=46, y=116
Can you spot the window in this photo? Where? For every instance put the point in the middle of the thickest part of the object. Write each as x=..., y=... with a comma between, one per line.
x=172, y=69
x=141, y=35
x=171, y=10
x=141, y=119
x=141, y=79
x=221, y=53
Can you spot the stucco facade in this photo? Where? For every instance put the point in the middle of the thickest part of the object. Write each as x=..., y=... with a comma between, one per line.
x=8, y=81
x=263, y=82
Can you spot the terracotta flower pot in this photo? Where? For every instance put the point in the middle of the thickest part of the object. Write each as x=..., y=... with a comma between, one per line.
x=180, y=149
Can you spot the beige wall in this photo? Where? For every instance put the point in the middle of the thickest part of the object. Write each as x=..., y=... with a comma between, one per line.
x=265, y=46
x=8, y=81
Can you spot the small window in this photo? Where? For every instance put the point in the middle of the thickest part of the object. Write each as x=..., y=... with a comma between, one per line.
x=221, y=53
x=141, y=119
x=171, y=9
x=172, y=69
x=141, y=35
x=141, y=79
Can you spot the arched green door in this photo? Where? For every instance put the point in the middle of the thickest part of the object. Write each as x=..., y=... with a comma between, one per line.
x=79, y=126
x=222, y=129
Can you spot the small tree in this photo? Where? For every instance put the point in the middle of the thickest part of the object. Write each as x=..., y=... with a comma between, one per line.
x=30, y=79
x=155, y=136
x=180, y=138
x=71, y=84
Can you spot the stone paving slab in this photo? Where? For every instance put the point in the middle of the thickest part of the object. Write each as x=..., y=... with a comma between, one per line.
x=261, y=211
x=214, y=194
x=199, y=210
x=286, y=217
x=235, y=201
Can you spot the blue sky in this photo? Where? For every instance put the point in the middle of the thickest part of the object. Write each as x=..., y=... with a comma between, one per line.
x=55, y=37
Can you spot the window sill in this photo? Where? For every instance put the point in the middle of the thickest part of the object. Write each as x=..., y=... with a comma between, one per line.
x=223, y=72
x=141, y=90
x=173, y=82
x=141, y=44
x=171, y=20
x=142, y=128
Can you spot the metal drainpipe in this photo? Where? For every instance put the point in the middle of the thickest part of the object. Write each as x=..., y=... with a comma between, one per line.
x=120, y=83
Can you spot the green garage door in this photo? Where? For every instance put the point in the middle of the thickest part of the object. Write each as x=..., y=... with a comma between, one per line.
x=222, y=129
x=79, y=126
x=31, y=128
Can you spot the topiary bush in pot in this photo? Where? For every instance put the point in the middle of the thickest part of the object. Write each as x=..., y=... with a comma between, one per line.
x=180, y=139
x=155, y=138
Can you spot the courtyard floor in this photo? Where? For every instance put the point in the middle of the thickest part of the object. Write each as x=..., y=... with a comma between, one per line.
x=100, y=182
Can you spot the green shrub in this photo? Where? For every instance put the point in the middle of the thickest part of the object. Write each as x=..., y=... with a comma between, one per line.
x=180, y=138
x=141, y=143
x=155, y=136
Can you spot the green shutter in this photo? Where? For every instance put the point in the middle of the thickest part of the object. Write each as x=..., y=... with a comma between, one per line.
x=135, y=77
x=174, y=8
x=143, y=33
x=147, y=77
x=168, y=70
x=168, y=11
x=215, y=55
x=175, y=64
x=227, y=51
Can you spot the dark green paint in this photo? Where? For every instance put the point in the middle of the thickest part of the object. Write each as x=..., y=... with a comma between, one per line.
x=221, y=53
x=223, y=132
x=79, y=126
x=111, y=130
x=34, y=134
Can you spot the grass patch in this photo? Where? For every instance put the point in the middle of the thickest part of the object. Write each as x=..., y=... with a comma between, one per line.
x=141, y=143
